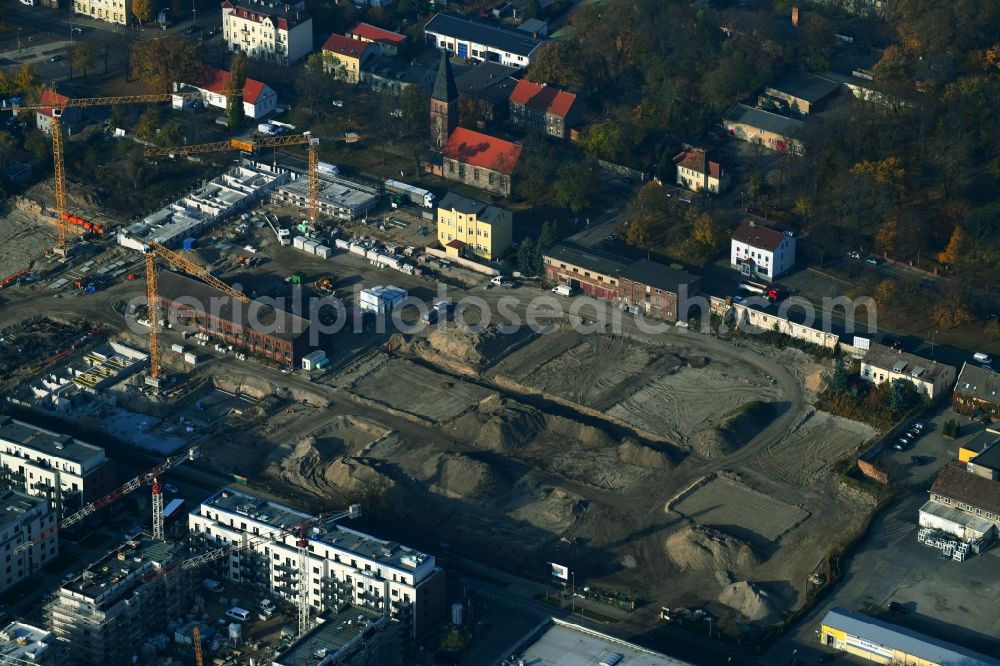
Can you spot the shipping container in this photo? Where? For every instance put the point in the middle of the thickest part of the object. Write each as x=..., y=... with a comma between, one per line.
x=190, y=358
x=177, y=348
x=298, y=241
x=323, y=251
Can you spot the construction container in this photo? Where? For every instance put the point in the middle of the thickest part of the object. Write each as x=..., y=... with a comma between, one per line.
x=310, y=246
x=190, y=358
x=381, y=299
x=296, y=278
x=357, y=248
x=323, y=251
x=177, y=348
x=342, y=244
x=311, y=360
x=298, y=241
x=190, y=243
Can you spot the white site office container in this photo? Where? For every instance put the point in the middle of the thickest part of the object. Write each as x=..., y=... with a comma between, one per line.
x=342, y=244
x=323, y=251
x=310, y=246
x=190, y=358
x=298, y=241
x=358, y=249
x=179, y=349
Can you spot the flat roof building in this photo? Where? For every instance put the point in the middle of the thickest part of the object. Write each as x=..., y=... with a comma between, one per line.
x=885, y=643
x=353, y=636
x=23, y=519
x=771, y=130
x=803, y=92
x=22, y=643
x=64, y=470
x=556, y=642
x=338, y=198
x=349, y=567
x=110, y=608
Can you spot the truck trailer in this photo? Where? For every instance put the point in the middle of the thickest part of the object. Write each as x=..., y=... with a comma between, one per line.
x=415, y=195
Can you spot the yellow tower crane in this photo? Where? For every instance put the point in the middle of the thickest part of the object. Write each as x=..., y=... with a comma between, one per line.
x=251, y=145
x=199, y=659
x=58, y=163
x=152, y=300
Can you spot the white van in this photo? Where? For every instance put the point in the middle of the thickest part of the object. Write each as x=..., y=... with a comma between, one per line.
x=982, y=358
x=563, y=290
x=237, y=613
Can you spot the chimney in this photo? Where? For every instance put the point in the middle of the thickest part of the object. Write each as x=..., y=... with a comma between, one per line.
x=795, y=15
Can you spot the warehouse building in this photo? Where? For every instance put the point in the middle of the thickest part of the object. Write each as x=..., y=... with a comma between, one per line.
x=770, y=130
x=110, y=608
x=556, y=641
x=24, y=519
x=337, y=197
x=884, y=364
x=803, y=92
x=348, y=567
x=67, y=472
x=253, y=327
x=884, y=643
x=354, y=636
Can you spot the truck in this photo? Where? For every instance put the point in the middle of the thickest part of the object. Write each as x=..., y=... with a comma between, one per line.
x=770, y=292
x=414, y=195
x=562, y=290
x=284, y=235
x=268, y=129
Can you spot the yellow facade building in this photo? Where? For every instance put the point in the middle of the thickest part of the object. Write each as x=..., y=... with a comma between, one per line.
x=344, y=57
x=473, y=227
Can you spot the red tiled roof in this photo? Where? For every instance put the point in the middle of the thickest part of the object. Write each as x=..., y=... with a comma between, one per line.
x=958, y=484
x=376, y=34
x=217, y=81
x=49, y=99
x=457, y=244
x=290, y=19
x=543, y=98
x=482, y=150
x=697, y=160
x=757, y=235
x=345, y=46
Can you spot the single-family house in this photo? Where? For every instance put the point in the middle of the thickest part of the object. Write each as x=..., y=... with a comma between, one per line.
x=761, y=252
x=696, y=172
x=885, y=364
x=389, y=43
x=259, y=99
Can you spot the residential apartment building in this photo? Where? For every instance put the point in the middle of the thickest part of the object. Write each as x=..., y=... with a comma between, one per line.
x=963, y=503
x=346, y=566
x=64, y=470
x=25, y=518
x=761, y=252
x=977, y=393
x=471, y=39
x=389, y=43
x=488, y=85
x=770, y=130
x=110, y=11
x=267, y=30
x=480, y=229
x=884, y=364
x=259, y=99
x=544, y=108
x=344, y=57
x=352, y=636
x=696, y=172
x=110, y=608
x=480, y=160
x=22, y=643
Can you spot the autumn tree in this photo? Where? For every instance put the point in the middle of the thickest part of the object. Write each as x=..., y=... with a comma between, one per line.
x=950, y=255
x=575, y=186
x=83, y=56
x=468, y=113
x=160, y=62
x=237, y=81
x=885, y=239
x=142, y=10
x=26, y=81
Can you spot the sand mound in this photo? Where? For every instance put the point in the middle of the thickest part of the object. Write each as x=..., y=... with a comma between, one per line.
x=736, y=429
x=460, y=344
x=497, y=425
x=751, y=601
x=307, y=469
x=698, y=548
x=457, y=475
x=640, y=455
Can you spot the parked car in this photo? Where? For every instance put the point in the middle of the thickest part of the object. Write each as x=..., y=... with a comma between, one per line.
x=854, y=254
x=132, y=533
x=902, y=444
x=338, y=103
x=191, y=30
x=874, y=261
x=56, y=58
x=982, y=358
x=171, y=488
x=897, y=607
x=920, y=461
x=918, y=426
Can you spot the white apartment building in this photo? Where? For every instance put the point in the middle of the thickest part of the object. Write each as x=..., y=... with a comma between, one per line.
x=66, y=471
x=471, y=39
x=884, y=364
x=112, y=11
x=346, y=566
x=761, y=252
x=25, y=518
x=267, y=30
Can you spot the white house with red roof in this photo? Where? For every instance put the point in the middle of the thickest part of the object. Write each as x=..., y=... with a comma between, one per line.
x=389, y=43
x=696, y=172
x=258, y=98
x=544, y=108
x=761, y=252
x=69, y=119
x=267, y=30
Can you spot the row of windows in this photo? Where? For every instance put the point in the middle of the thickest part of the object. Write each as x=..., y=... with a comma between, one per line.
x=967, y=507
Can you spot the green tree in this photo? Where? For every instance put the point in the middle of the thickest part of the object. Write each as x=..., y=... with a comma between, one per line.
x=237, y=80
x=549, y=236
x=528, y=258
x=902, y=397
x=576, y=185
x=83, y=56
x=839, y=379
x=160, y=62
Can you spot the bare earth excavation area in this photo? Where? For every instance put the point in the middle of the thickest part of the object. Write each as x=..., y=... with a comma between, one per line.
x=680, y=470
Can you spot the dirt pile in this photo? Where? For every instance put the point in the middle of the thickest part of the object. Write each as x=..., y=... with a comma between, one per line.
x=736, y=429
x=497, y=424
x=306, y=468
x=698, y=548
x=462, y=345
x=751, y=601
x=641, y=455
x=457, y=475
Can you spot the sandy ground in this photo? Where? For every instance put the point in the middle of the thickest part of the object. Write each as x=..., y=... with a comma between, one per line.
x=23, y=239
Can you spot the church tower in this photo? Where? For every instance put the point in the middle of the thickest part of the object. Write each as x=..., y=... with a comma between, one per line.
x=444, y=104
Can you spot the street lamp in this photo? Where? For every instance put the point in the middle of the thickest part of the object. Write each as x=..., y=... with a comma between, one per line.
x=19, y=41
x=933, y=335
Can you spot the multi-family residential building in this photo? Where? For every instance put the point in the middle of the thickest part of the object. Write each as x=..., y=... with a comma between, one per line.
x=268, y=30
x=352, y=636
x=977, y=392
x=480, y=160
x=488, y=85
x=761, y=252
x=23, y=519
x=964, y=503
x=777, y=132
x=472, y=226
x=542, y=107
x=111, y=11
x=64, y=470
x=22, y=643
x=346, y=566
x=112, y=607
x=389, y=43
x=696, y=172
x=344, y=57
x=471, y=39
x=884, y=364
x=214, y=85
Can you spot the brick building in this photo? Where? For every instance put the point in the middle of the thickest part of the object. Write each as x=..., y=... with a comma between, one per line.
x=977, y=393
x=480, y=160
x=541, y=107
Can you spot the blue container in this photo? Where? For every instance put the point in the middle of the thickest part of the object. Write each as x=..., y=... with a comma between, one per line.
x=190, y=243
